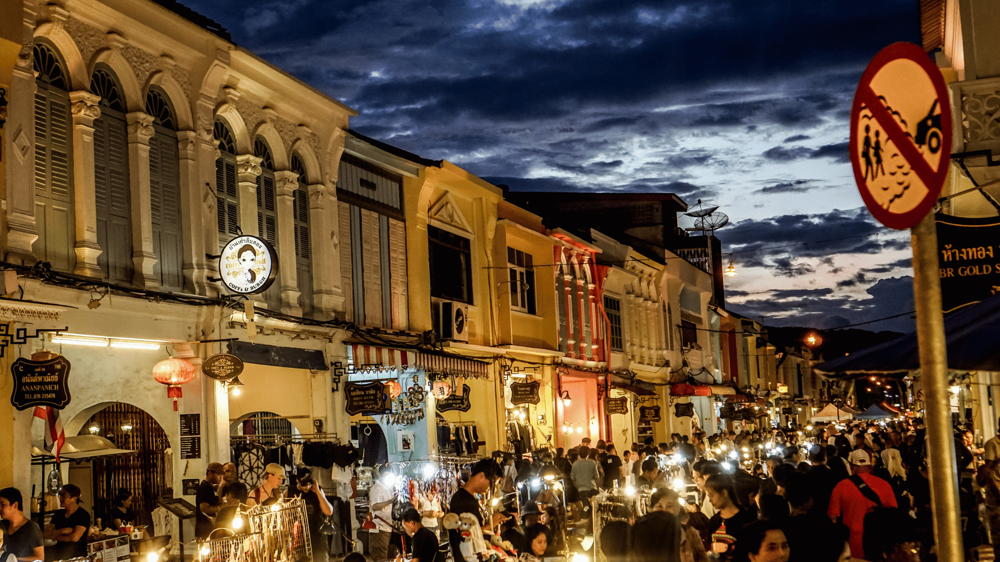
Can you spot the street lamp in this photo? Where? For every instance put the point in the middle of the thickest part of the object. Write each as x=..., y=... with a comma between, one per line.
x=566, y=399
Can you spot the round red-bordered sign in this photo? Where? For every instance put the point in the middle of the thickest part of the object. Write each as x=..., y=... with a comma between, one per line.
x=900, y=135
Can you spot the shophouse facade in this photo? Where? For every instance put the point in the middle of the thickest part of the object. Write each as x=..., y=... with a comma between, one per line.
x=138, y=142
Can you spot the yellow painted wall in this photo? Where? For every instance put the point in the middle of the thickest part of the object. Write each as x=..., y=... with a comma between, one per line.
x=539, y=330
x=286, y=392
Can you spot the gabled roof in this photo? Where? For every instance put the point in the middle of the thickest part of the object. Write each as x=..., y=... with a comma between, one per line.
x=194, y=17
x=415, y=158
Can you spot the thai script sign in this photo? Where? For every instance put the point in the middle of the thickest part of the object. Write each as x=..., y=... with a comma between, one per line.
x=366, y=398
x=222, y=367
x=969, y=259
x=524, y=393
x=248, y=265
x=40, y=383
x=649, y=413
x=460, y=402
x=616, y=405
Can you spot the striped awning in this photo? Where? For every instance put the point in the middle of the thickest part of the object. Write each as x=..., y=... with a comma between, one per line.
x=450, y=365
x=377, y=358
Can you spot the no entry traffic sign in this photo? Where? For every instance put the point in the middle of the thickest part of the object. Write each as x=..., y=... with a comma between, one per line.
x=900, y=135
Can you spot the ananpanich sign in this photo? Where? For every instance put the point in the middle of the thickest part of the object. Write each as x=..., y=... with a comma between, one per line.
x=40, y=383
x=969, y=261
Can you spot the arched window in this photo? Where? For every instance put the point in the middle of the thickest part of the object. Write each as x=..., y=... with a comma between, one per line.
x=111, y=180
x=267, y=211
x=165, y=192
x=303, y=261
x=53, y=162
x=226, y=191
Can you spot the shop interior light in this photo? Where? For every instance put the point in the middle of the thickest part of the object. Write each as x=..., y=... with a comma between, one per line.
x=430, y=469
x=127, y=427
x=94, y=429
x=76, y=339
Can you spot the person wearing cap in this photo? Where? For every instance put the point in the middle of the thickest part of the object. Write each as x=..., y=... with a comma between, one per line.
x=856, y=496
x=208, y=501
x=268, y=492
x=318, y=508
x=68, y=527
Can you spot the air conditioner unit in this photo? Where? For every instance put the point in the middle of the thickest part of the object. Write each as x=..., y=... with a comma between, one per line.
x=454, y=321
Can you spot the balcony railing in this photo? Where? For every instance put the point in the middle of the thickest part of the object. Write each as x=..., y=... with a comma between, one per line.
x=976, y=114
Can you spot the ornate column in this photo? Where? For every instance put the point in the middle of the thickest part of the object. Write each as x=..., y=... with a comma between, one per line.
x=140, y=130
x=195, y=197
x=288, y=271
x=328, y=294
x=247, y=170
x=85, y=110
x=22, y=229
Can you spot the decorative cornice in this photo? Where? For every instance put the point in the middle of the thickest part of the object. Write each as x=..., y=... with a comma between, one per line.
x=248, y=164
x=140, y=127
x=85, y=105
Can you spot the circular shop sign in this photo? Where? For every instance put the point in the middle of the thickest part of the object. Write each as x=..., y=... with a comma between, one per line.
x=248, y=265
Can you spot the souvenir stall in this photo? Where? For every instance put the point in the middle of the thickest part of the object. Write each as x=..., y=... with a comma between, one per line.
x=275, y=533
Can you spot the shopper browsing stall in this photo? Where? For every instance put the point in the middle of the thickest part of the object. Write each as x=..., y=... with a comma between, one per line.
x=269, y=490
x=380, y=503
x=317, y=509
x=68, y=526
x=481, y=478
x=207, y=501
x=425, y=543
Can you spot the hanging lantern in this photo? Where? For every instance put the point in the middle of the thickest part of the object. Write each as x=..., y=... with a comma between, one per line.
x=441, y=389
x=173, y=372
x=731, y=270
x=394, y=389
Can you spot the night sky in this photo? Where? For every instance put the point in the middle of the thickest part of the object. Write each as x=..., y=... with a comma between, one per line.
x=742, y=104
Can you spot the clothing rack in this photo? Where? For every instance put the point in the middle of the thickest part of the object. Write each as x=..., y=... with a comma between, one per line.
x=278, y=439
x=442, y=422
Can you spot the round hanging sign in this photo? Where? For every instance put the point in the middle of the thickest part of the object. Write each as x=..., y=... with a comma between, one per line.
x=248, y=265
x=222, y=367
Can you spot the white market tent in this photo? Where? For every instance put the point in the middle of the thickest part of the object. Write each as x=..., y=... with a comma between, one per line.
x=831, y=413
x=873, y=413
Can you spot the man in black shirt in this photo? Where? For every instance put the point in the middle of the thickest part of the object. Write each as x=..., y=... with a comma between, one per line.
x=22, y=537
x=464, y=500
x=612, y=466
x=207, y=501
x=318, y=508
x=424, y=544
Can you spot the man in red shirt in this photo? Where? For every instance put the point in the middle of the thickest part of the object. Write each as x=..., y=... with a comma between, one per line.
x=854, y=497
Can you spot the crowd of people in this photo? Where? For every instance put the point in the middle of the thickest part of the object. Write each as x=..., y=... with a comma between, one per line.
x=828, y=493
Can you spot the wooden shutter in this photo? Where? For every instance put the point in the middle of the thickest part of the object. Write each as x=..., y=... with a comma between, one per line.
x=344, y=233
x=111, y=186
x=267, y=227
x=372, y=267
x=53, y=179
x=226, y=198
x=165, y=197
x=397, y=260
x=303, y=259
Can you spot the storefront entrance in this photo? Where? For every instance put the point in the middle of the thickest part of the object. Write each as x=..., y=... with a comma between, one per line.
x=583, y=417
x=144, y=473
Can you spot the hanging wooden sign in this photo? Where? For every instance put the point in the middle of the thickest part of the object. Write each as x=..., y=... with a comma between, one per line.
x=616, y=405
x=524, y=393
x=366, y=398
x=684, y=410
x=40, y=383
x=460, y=402
x=727, y=412
x=649, y=413
x=222, y=367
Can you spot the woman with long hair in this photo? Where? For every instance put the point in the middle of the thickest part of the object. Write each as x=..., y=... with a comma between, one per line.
x=730, y=518
x=691, y=548
x=656, y=538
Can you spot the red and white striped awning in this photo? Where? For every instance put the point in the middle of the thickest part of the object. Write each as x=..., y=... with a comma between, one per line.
x=373, y=358
x=377, y=358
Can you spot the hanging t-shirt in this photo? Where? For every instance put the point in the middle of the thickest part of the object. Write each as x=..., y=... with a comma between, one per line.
x=65, y=550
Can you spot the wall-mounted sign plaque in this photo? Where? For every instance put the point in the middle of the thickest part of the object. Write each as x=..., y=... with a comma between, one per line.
x=616, y=405
x=40, y=383
x=524, y=393
x=649, y=413
x=366, y=398
x=456, y=401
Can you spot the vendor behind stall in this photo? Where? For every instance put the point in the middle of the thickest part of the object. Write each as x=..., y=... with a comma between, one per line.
x=68, y=527
x=121, y=510
x=23, y=537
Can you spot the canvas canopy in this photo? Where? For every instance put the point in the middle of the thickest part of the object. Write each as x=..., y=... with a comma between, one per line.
x=873, y=413
x=830, y=413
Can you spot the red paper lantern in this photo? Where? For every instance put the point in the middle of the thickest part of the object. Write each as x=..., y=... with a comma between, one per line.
x=173, y=372
x=394, y=388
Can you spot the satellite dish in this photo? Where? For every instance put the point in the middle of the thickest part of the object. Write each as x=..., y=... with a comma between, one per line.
x=701, y=211
x=709, y=223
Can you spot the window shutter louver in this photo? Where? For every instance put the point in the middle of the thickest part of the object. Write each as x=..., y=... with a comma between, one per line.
x=164, y=187
x=114, y=213
x=54, y=212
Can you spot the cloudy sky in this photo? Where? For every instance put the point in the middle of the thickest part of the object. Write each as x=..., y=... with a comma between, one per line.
x=742, y=104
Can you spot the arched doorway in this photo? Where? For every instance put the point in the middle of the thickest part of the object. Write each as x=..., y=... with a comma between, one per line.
x=144, y=473
x=254, y=440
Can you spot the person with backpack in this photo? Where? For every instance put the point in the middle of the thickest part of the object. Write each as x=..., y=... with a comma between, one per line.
x=854, y=497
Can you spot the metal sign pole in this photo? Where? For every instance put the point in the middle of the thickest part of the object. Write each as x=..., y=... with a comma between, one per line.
x=934, y=379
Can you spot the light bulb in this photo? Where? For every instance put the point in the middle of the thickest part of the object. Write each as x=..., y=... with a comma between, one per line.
x=678, y=484
x=238, y=522
x=236, y=391
x=495, y=502
x=629, y=490
x=204, y=550
x=430, y=469
x=152, y=557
